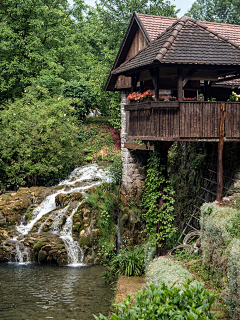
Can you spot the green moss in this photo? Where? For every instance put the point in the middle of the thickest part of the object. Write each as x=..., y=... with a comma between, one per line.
x=85, y=241
x=42, y=256
x=38, y=245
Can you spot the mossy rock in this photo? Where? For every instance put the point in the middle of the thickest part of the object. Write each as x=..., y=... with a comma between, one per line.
x=63, y=199
x=85, y=241
x=4, y=254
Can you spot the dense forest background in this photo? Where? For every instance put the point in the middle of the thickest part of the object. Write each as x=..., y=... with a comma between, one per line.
x=54, y=62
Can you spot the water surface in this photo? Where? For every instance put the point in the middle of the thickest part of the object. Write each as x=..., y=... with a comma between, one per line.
x=33, y=291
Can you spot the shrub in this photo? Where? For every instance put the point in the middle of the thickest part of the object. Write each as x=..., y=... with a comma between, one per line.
x=129, y=262
x=163, y=302
x=83, y=95
x=116, y=171
x=38, y=140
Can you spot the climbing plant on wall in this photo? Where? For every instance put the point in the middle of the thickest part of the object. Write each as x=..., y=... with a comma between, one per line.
x=153, y=214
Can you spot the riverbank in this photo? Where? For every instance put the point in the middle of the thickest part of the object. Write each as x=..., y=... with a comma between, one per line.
x=128, y=285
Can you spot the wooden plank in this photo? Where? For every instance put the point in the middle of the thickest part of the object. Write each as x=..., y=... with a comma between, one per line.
x=220, y=154
x=136, y=146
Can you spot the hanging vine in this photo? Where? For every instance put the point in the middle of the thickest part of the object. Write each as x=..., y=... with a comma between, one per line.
x=153, y=215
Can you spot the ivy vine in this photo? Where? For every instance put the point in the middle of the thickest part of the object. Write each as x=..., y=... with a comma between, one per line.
x=165, y=215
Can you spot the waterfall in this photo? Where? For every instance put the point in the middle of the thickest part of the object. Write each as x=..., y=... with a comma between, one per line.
x=79, y=180
x=75, y=253
x=22, y=256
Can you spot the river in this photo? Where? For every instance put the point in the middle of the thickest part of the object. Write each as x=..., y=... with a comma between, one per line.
x=36, y=292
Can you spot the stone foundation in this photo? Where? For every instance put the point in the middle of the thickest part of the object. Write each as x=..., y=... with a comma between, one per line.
x=133, y=161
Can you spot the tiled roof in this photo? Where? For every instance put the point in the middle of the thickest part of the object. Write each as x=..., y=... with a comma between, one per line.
x=155, y=25
x=186, y=41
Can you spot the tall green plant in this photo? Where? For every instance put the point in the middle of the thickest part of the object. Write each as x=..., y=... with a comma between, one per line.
x=154, y=215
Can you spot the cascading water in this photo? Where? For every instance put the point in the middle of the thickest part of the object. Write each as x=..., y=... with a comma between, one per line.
x=75, y=253
x=79, y=180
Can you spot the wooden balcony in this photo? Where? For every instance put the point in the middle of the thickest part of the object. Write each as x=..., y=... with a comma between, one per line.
x=182, y=121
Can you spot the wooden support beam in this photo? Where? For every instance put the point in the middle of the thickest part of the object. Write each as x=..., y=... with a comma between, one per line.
x=134, y=80
x=220, y=154
x=141, y=86
x=164, y=147
x=180, y=84
x=207, y=87
x=189, y=76
x=155, y=78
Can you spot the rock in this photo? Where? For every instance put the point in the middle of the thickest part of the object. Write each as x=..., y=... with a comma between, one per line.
x=63, y=199
x=3, y=220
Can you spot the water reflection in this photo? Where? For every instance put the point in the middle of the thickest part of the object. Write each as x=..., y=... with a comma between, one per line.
x=45, y=292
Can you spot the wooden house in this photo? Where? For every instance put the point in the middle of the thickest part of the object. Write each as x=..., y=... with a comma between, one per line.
x=181, y=56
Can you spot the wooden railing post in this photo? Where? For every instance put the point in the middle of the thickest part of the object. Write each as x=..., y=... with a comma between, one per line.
x=155, y=78
x=220, y=153
x=180, y=85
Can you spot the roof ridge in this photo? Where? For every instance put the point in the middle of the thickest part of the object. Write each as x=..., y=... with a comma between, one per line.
x=153, y=15
x=177, y=27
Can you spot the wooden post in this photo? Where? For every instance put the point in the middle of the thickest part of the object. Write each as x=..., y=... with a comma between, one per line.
x=141, y=86
x=155, y=78
x=180, y=84
x=134, y=80
x=164, y=147
x=220, y=154
x=205, y=90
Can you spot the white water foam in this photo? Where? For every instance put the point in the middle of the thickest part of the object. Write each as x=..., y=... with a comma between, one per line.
x=79, y=180
x=75, y=253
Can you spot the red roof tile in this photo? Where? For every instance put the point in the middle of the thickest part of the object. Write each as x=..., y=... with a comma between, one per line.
x=155, y=25
x=187, y=41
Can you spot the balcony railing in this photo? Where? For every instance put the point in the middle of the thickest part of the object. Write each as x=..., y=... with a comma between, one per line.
x=172, y=120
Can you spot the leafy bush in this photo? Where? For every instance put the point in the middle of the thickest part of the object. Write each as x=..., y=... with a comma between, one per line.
x=83, y=95
x=116, y=171
x=38, y=140
x=105, y=204
x=129, y=262
x=193, y=303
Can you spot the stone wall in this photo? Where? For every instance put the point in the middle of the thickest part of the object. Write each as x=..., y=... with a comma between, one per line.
x=134, y=161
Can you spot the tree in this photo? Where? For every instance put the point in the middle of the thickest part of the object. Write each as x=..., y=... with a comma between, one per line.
x=37, y=39
x=225, y=11
x=101, y=31
x=116, y=15
x=38, y=140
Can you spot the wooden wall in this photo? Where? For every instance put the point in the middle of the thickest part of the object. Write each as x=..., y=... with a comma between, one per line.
x=139, y=42
x=184, y=120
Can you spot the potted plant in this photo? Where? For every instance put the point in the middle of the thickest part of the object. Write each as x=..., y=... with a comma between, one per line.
x=234, y=97
x=147, y=96
x=134, y=97
x=171, y=98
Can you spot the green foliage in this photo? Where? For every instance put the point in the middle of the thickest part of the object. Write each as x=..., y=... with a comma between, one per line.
x=37, y=39
x=105, y=204
x=163, y=302
x=129, y=262
x=116, y=15
x=164, y=215
x=83, y=95
x=116, y=171
x=38, y=140
x=225, y=11
x=221, y=247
